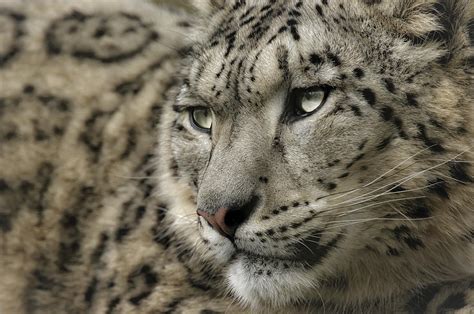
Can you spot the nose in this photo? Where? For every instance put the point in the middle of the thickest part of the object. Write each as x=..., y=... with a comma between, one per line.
x=226, y=220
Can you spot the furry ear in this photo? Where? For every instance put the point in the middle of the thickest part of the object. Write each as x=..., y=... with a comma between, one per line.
x=447, y=22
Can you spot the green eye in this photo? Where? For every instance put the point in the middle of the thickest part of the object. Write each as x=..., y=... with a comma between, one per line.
x=307, y=101
x=311, y=101
x=201, y=119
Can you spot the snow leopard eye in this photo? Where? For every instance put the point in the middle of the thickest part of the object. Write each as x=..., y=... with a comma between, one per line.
x=307, y=101
x=201, y=119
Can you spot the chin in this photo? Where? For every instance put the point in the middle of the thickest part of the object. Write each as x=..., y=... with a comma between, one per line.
x=257, y=286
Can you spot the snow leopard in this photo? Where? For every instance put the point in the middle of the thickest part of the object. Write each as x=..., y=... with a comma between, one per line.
x=261, y=156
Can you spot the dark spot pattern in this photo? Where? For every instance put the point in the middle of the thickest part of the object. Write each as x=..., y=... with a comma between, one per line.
x=369, y=96
x=13, y=46
x=92, y=47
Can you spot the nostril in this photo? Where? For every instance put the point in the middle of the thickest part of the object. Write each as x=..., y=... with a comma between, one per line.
x=226, y=220
x=243, y=212
x=235, y=218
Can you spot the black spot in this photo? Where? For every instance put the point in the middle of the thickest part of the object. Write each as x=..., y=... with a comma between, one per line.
x=5, y=222
x=291, y=22
x=319, y=9
x=151, y=278
x=26, y=187
x=384, y=143
x=296, y=225
x=418, y=211
x=389, y=85
x=113, y=304
x=58, y=131
x=315, y=59
x=28, y=89
x=356, y=110
x=99, y=250
x=386, y=113
x=399, y=125
x=139, y=213
x=458, y=171
x=369, y=96
x=359, y=73
x=344, y=175
x=439, y=187
x=356, y=159
x=263, y=180
x=411, y=100
x=139, y=298
x=101, y=31
x=362, y=145
x=402, y=233
x=12, y=48
x=121, y=233
x=433, y=144
x=331, y=186
x=284, y=208
x=3, y=186
x=90, y=291
x=334, y=59
x=401, y=230
x=294, y=33
x=413, y=243
x=131, y=143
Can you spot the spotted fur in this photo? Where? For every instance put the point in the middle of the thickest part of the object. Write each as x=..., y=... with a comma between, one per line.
x=363, y=206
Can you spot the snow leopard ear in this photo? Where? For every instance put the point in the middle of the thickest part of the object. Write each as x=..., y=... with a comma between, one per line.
x=447, y=22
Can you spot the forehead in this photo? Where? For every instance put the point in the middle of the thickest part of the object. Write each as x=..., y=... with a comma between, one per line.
x=252, y=49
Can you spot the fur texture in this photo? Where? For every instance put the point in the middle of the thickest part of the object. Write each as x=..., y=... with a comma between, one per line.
x=364, y=205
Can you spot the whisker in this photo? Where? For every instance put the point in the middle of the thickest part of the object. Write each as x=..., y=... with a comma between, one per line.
x=398, y=183
x=387, y=172
x=357, y=221
x=380, y=203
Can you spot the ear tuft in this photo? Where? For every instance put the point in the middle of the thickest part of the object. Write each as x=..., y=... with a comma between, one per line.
x=446, y=22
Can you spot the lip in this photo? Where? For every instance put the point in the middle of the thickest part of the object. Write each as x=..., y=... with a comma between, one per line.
x=286, y=262
x=307, y=251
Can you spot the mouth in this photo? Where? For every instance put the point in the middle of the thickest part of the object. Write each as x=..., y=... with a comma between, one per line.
x=306, y=252
x=254, y=260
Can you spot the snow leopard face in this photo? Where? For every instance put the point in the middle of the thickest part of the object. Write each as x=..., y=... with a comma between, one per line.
x=317, y=146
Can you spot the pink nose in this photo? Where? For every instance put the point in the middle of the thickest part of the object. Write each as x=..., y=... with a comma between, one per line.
x=219, y=222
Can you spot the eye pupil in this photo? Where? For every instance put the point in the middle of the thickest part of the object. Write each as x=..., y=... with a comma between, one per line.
x=311, y=101
x=307, y=101
x=201, y=119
